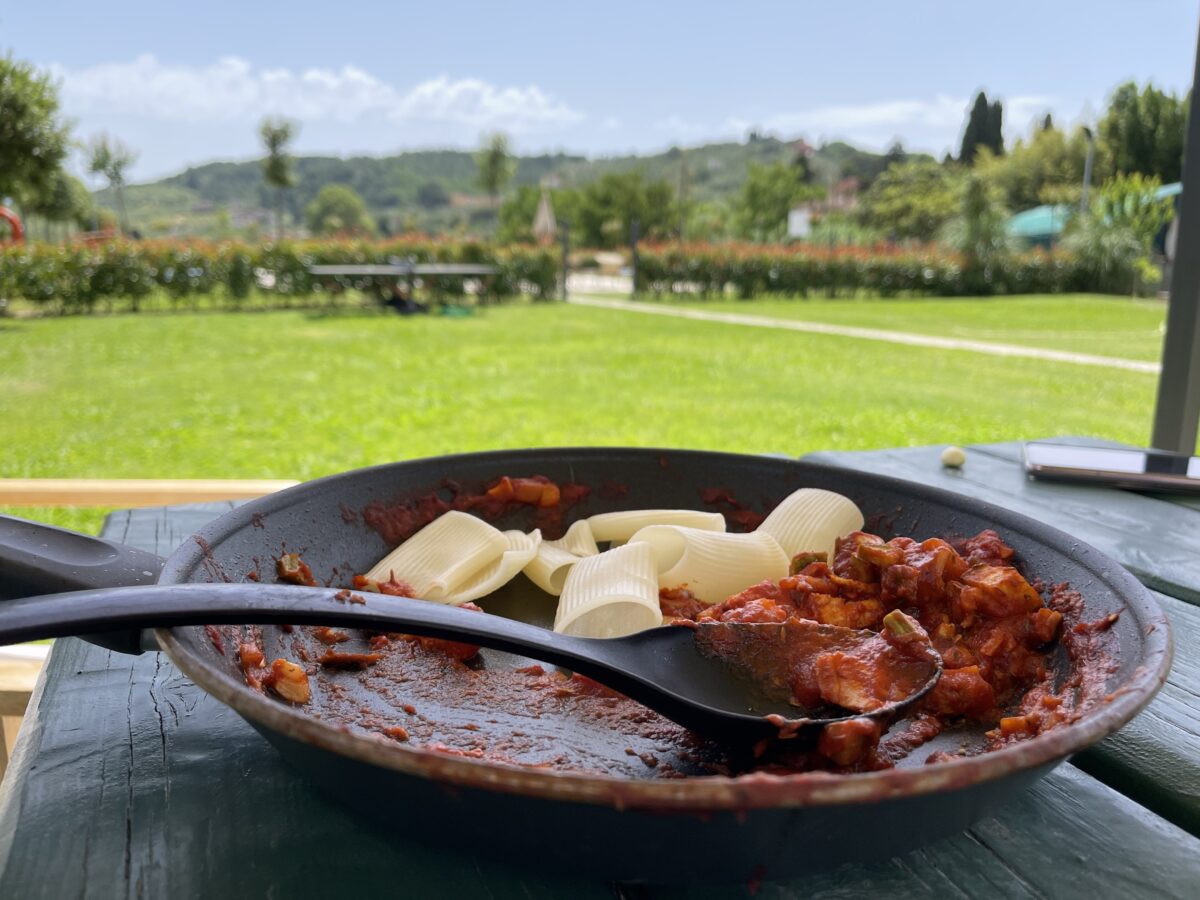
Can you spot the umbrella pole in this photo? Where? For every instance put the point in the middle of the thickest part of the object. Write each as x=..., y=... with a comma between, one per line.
x=1177, y=411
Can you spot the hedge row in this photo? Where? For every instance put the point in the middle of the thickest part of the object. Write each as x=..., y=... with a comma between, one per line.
x=754, y=270
x=76, y=278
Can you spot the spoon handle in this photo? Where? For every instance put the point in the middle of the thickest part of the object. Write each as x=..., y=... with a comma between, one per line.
x=39, y=559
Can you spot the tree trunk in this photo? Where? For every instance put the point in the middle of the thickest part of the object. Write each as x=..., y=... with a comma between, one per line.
x=279, y=215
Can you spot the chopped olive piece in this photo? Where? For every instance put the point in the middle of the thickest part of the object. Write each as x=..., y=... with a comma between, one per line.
x=801, y=560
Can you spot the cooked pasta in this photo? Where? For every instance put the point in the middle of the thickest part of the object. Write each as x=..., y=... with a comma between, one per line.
x=619, y=527
x=579, y=540
x=811, y=519
x=549, y=568
x=712, y=565
x=457, y=558
x=611, y=594
x=522, y=548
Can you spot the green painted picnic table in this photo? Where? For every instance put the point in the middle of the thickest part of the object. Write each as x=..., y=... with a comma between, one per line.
x=128, y=781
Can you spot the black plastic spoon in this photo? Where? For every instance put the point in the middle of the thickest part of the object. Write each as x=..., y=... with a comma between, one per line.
x=722, y=680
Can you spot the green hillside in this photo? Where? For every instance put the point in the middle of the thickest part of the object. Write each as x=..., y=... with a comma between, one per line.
x=436, y=190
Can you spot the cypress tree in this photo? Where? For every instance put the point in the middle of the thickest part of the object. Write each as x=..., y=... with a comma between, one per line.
x=976, y=130
x=995, y=128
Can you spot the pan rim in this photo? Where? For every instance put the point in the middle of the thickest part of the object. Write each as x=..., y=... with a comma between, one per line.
x=701, y=793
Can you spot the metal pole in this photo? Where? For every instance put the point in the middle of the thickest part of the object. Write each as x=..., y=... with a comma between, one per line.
x=1177, y=411
x=566, y=255
x=633, y=260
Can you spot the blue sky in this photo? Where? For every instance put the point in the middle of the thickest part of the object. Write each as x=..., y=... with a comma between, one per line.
x=188, y=83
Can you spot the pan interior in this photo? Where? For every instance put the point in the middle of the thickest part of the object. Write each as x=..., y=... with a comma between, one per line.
x=324, y=521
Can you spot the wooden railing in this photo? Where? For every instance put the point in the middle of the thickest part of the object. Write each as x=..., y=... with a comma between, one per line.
x=128, y=492
x=19, y=668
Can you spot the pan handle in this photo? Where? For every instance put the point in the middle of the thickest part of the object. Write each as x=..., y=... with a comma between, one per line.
x=41, y=559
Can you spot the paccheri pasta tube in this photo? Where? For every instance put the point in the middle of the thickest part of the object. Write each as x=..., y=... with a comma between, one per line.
x=619, y=527
x=712, y=565
x=610, y=595
x=812, y=519
x=549, y=568
x=457, y=558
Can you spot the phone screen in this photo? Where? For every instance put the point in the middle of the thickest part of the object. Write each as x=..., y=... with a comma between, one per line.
x=1144, y=468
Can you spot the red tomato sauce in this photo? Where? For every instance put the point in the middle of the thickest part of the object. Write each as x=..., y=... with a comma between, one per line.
x=994, y=631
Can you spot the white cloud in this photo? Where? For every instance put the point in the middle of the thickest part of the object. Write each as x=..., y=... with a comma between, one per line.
x=938, y=112
x=1021, y=112
x=680, y=127
x=933, y=122
x=232, y=90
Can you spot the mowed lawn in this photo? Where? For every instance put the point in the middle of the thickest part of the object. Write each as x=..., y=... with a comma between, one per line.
x=298, y=395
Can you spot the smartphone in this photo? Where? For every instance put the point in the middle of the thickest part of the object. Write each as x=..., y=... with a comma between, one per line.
x=1147, y=470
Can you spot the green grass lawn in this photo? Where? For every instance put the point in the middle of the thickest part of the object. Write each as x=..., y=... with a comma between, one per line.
x=297, y=395
x=1084, y=323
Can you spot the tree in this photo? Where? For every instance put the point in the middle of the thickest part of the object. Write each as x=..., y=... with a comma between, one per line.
x=768, y=195
x=913, y=199
x=338, y=209
x=67, y=200
x=978, y=231
x=895, y=153
x=1142, y=132
x=984, y=128
x=974, y=130
x=1131, y=201
x=495, y=166
x=111, y=158
x=1047, y=168
x=278, y=169
x=995, y=128
x=1114, y=238
x=432, y=195
x=608, y=206
x=33, y=140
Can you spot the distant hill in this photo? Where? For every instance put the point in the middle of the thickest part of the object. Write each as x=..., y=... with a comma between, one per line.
x=436, y=190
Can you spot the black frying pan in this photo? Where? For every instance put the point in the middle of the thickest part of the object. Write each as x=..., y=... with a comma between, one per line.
x=614, y=820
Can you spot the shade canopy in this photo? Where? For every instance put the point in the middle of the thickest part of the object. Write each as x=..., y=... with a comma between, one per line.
x=1040, y=223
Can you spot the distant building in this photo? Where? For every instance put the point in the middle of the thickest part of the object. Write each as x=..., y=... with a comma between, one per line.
x=470, y=201
x=800, y=221
x=843, y=197
x=803, y=148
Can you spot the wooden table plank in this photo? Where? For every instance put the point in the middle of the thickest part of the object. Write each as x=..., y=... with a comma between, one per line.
x=1055, y=840
x=183, y=798
x=1157, y=540
x=1156, y=757
x=186, y=800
